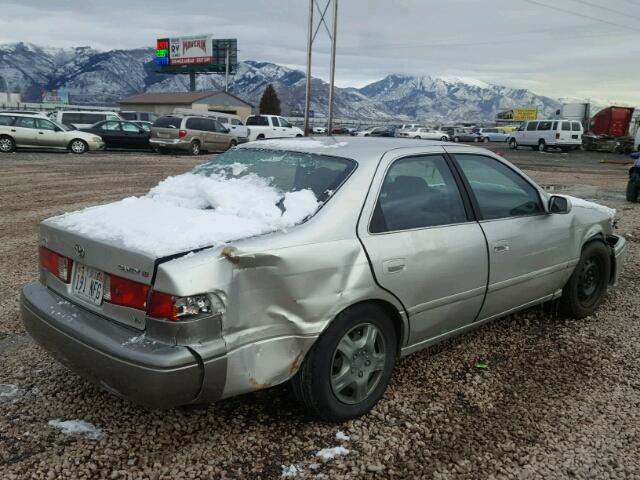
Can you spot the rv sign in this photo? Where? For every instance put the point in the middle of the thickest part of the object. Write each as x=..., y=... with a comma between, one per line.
x=191, y=50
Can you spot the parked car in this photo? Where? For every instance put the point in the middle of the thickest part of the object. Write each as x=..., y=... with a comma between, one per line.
x=139, y=116
x=492, y=135
x=83, y=119
x=375, y=132
x=319, y=130
x=119, y=134
x=34, y=131
x=191, y=134
x=423, y=133
x=228, y=120
x=340, y=131
x=27, y=112
x=462, y=134
x=271, y=126
x=541, y=135
x=333, y=276
x=406, y=127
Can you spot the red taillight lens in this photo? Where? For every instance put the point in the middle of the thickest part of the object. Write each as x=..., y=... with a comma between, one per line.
x=120, y=291
x=182, y=133
x=57, y=264
x=163, y=305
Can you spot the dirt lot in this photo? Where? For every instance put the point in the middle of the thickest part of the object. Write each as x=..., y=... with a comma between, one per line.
x=560, y=399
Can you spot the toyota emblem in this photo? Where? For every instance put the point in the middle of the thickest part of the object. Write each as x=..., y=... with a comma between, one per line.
x=79, y=250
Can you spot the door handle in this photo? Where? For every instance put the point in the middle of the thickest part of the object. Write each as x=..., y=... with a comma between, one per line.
x=13, y=130
x=394, y=266
x=40, y=133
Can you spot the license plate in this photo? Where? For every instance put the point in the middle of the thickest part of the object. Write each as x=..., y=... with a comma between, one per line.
x=88, y=284
x=163, y=135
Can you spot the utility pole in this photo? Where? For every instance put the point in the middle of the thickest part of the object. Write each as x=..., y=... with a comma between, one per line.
x=313, y=32
x=192, y=81
x=226, y=69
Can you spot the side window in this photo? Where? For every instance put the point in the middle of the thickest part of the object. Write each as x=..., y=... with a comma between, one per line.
x=218, y=127
x=130, y=127
x=544, y=126
x=418, y=192
x=566, y=126
x=101, y=117
x=195, y=124
x=575, y=126
x=45, y=125
x=223, y=120
x=284, y=123
x=144, y=117
x=275, y=122
x=110, y=126
x=532, y=126
x=26, y=122
x=499, y=190
x=555, y=126
x=6, y=120
x=235, y=122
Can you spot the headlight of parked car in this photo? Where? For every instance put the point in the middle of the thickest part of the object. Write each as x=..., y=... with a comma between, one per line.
x=97, y=139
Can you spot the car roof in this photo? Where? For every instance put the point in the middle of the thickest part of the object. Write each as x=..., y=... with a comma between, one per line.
x=356, y=148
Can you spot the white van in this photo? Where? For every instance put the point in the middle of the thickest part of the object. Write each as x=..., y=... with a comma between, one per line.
x=543, y=134
x=229, y=120
x=84, y=118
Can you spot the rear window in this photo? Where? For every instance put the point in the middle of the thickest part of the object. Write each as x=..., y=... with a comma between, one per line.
x=82, y=118
x=168, y=122
x=258, y=121
x=6, y=120
x=576, y=126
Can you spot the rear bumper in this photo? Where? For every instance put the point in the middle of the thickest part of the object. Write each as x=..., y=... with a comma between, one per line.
x=123, y=360
x=172, y=143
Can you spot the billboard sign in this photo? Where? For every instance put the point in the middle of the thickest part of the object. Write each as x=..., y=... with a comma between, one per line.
x=525, y=114
x=199, y=53
x=55, y=96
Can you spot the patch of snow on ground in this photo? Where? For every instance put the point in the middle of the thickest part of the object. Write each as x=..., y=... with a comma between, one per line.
x=306, y=144
x=191, y=211
x=9, y=392
x=77, y=428
x=331, y=453
x=342, y=437
x=289, y=471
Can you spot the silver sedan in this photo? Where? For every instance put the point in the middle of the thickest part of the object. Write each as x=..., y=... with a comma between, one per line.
x=412, y=242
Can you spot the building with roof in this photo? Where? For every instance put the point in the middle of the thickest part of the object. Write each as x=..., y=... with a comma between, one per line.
x=163, y=103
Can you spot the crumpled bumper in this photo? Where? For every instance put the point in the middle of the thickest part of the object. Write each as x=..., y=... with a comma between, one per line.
x=619, y=247
x=150, y=370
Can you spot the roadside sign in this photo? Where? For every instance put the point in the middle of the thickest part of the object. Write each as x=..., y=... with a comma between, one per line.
x=525, y=114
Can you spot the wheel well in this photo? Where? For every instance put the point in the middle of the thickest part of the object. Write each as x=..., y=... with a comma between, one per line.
x=74, y=139
x=599, y=237
x=392, y=312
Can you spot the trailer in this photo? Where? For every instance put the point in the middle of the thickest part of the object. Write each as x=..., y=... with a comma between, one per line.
x=611, y=130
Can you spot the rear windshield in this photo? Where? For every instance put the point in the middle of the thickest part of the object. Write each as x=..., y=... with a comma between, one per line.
x=258, y=121
x=286, y=171
x=575, y=126
x=168, y=122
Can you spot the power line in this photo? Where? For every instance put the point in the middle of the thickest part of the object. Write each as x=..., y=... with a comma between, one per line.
x=570, y=12
x=611, y=10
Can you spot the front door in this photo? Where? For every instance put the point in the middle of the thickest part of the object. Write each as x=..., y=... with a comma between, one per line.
x=424, y=245
x=47, y=134
x=133, y=137
x=528, y=254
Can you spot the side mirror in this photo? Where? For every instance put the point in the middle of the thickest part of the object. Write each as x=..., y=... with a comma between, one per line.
x=142, y=130
x=226, y=130
x=560, y=205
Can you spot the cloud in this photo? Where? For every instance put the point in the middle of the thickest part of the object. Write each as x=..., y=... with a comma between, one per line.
x=509, y=42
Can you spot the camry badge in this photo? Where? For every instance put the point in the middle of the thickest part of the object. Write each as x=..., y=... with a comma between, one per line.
x=79, y=250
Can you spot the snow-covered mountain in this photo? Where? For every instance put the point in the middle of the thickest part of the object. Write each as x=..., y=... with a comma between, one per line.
x=95, y=77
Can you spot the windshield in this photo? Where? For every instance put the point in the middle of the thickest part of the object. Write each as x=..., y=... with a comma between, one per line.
x=285, y=171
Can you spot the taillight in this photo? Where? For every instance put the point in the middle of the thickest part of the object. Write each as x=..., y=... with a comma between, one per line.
x=120, y=291
x=182, y=133
x=174, y=308
x=57, y=264
x=557, y=136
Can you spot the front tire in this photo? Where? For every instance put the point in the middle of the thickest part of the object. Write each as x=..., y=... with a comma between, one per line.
x=444, y=139
x=7, y=144
x=587, y=286
x=485, y=139
x=233, y=143
x=456, y=139
x=347, y=370
x=632, y=191
x=78, y=146
x=513, y=144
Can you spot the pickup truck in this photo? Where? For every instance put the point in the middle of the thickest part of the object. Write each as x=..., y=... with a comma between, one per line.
x=271, y=126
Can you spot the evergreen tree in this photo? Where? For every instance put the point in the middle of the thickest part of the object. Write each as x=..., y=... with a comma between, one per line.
x=270, y=103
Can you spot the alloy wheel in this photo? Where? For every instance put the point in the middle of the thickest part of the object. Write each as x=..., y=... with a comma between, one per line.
x=6, y=145
x=358, y=363
x=78, y=146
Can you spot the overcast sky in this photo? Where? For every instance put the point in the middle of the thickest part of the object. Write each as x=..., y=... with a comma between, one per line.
x=560, y=48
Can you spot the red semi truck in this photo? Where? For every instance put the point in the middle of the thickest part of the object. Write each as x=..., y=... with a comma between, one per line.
x=612, y=130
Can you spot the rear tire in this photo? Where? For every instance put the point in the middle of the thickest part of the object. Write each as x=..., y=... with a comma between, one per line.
x=194, y=148
x=632, y=191
x=485, y=139
x=587, y=287
x=347, y=370
x=78, y=146
x=7, y=144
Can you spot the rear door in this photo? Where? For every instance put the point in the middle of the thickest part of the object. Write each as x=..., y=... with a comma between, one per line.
x=423, y=243
x=24, y=131
x=111, y=133
x=530, y=133
x=528, y=249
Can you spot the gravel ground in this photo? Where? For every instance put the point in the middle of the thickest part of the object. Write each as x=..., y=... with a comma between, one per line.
x=559, y=399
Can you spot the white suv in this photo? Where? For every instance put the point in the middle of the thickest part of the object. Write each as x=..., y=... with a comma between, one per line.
x=543, y=134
